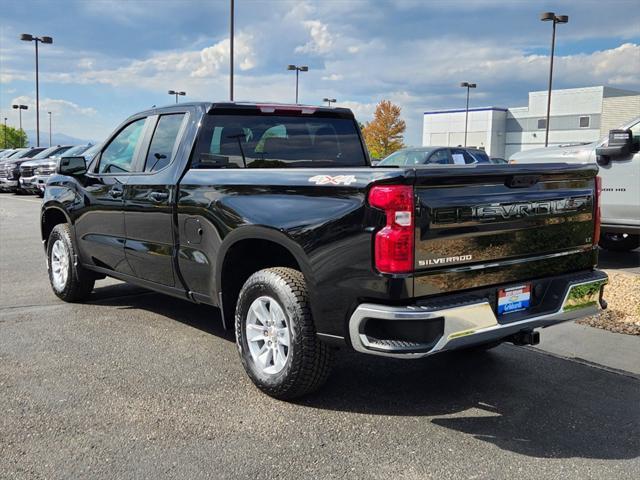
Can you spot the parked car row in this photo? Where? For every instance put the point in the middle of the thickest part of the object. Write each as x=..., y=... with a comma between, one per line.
x=26, y=170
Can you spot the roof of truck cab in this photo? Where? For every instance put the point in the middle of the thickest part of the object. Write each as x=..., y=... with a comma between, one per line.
x=227, y=105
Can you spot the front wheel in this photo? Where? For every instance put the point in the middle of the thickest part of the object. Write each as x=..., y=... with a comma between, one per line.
x=619, y=242
x=276, y=337
x=69, y=280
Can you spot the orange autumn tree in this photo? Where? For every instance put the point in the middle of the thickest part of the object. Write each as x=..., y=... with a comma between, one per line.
x=384, y=134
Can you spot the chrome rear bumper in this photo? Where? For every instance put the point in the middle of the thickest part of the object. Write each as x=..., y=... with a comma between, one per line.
x=468, y=324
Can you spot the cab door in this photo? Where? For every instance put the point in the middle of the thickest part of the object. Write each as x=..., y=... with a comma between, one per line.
x=149, y=196
x=99, y=225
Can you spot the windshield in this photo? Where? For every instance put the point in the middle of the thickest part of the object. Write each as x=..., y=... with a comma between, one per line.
x=28, y=153
x=276, y=141
x=405, y=157
x=46, y=153
x=74, y=151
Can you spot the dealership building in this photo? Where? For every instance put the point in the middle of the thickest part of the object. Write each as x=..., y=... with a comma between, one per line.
x=577, y=115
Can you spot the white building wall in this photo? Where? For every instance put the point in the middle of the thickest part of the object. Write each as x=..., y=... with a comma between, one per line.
x=617, y=110
x=504, y=132
x=446, y=128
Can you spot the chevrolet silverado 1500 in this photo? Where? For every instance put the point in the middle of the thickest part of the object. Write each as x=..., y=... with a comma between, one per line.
x=274, y=214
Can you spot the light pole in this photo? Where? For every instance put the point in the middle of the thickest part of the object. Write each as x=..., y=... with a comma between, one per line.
x=5, y=132
x=20, y=108
x=468, y=86
x=298, y=69
x=30, y=38
x=49, y=128
x=231, y=21
x=555, y=19
x=329, y=101
x=176, y=93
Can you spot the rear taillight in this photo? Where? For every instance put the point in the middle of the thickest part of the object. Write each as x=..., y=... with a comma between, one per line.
x=394, y=244
x=596, y=211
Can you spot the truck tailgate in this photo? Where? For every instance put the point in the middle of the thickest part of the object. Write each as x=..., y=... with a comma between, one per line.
x=493, y=224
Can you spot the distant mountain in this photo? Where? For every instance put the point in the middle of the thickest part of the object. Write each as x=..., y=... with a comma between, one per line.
x=56, y=139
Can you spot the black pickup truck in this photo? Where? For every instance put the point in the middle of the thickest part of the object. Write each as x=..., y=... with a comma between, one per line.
x=274, y=214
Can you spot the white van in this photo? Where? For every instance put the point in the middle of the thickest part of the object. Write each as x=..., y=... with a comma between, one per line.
x=618, y=156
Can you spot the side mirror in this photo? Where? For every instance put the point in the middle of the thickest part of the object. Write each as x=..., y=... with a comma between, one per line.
x=71, y=166
x=620, y=144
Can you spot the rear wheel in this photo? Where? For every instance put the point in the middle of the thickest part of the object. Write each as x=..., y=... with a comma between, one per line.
x=69, y=280
x=619, y=242
x=276, y=337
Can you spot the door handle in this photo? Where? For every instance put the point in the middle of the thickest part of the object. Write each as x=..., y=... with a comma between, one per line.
x=115, y=192
x=158, y=196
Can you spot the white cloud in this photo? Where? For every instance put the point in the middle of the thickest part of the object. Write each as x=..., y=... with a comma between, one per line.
x=56, y=106
x=168, y=67
x=363, y=111
x=8, y=77
x=321, y=41
x=213, y=58
x=334, y=77
x=86, y=63
x=68, y=117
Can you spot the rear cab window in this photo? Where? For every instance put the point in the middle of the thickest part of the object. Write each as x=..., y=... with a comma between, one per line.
x=262, y=140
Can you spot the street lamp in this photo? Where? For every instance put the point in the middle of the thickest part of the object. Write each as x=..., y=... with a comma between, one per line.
x=176, y=93
x=298, y=69
x=20, y=108
x=555, y=19
x=329, y=101
x=231, y=22
x=5, y=132
x=468, y=86
x=49, y=128
x=30, y=38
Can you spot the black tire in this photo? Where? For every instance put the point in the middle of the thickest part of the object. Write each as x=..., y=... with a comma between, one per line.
x=79, y=281
x=308, y=361
x=619, y=242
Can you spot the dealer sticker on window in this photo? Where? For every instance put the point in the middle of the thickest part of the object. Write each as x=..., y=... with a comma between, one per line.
x=514, y=299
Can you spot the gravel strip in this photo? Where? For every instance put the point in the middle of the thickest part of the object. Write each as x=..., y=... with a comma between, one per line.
x=623, y=314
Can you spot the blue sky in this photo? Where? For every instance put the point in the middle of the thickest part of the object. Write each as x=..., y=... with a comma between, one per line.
x=112, y=58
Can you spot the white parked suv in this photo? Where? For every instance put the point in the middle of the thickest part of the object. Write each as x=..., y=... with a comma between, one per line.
x=618, y=156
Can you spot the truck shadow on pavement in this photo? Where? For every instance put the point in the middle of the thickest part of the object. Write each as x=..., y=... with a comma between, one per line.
x=202, y=317
x=517, y=399
x=626, y=261
x=520, y=400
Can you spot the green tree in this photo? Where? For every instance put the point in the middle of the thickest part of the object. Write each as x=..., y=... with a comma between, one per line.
x=12, y=138
x=384, y=134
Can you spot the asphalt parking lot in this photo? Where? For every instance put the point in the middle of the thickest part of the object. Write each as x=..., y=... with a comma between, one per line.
x=134, y=384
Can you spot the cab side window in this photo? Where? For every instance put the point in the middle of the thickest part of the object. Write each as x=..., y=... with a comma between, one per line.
x=462, y=157
x=440, y=157
x=119, y=154
x=164, y=142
